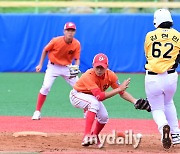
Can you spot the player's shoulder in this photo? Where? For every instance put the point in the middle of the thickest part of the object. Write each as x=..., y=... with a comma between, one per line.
x=110, y=73
x=151, y=32
x=88, y=73
x=175, y=31
x=57, y=38
x=76, y=41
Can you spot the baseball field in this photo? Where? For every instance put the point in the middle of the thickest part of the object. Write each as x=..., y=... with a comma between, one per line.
x=61, y=128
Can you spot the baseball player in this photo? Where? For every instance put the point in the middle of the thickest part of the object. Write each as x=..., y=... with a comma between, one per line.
x=162, y=50
x=61, y=50
x=89, y=92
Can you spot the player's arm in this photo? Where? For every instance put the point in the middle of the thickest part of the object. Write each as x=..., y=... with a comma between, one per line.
x=178, y=57
x=43, y=56
x=128, y=97
x=77, y=62
x=77, y=53
x=47, y=48
x=141, y=104
x=125, y=95
x=105, y=95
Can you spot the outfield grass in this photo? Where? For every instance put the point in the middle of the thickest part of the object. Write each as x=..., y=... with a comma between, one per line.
x=18, y=94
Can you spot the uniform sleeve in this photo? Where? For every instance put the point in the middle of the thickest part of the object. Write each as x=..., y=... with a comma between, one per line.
x=116, y=83
x=78, y=49
x=146, y=45
x=98, y=94
x=50, y=45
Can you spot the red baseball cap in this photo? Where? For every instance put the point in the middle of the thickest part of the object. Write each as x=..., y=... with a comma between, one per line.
x=100, y=60
x=69, y=25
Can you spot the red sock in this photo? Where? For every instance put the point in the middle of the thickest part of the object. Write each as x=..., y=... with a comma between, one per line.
x=40, y=101
x=98, y=128
x=90, y=116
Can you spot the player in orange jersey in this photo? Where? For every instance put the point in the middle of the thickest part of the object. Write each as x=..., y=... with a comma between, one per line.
x=61, y=50
x=89, y=92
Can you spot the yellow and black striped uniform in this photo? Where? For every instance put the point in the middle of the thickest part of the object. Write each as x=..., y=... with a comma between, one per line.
x=162, y=50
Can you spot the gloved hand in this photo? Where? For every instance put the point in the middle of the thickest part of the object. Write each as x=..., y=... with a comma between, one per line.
x=143, y=104
x=74, y=70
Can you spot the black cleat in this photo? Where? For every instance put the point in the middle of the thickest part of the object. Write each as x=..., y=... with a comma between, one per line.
x=166, y=141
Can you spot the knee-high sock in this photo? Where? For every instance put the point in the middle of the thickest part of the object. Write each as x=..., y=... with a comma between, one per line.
x=160, y=119
x=40, y=101
x=98, y=128
x=90, y=116
x=171, y=116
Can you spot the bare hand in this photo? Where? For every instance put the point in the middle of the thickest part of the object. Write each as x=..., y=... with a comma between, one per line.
x=38, y=68
x=125, y=84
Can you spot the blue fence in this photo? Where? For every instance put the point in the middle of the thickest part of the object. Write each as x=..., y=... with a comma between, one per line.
x=120, y=36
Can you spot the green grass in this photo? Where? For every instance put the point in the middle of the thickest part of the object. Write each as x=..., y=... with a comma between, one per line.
x=18, y=94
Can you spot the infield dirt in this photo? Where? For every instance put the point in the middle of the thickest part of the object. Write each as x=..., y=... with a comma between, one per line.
x=65, y=136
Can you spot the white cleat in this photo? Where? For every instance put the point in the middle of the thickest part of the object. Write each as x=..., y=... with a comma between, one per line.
x=89, y=140
x=175, y=139
x=36, y=115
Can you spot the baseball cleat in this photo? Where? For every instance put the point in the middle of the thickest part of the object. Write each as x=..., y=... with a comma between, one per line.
x=36, y=115
x=99, y=144
x=89, y=140
x=166, y=141
x=175, y=139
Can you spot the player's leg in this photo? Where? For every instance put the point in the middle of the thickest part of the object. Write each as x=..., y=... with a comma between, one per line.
x=171, y=116
x=155, y=95
x=49, y=78
x=87, y=102
x=90, y=103
x=170, y=109
x=102, y=119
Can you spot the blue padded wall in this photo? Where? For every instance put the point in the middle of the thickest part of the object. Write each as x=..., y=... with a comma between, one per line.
x=120, y=36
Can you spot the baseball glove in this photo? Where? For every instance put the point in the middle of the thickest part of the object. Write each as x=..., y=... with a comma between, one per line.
x=142, y=104
x=74, y=70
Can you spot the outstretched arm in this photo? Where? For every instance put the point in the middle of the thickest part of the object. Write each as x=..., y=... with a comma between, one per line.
x=105, y=95
x=128, y=97
x=141, y=104
x=122, y=87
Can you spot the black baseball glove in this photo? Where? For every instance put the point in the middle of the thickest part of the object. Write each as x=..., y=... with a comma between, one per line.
x=143, y=104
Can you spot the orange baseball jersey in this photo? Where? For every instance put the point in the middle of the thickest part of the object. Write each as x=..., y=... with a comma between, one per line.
x=89, y=81
x=62, y=53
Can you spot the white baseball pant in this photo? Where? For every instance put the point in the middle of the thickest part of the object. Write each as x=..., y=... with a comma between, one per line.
x=89, y=102
x=52, y=72
x=160, y=90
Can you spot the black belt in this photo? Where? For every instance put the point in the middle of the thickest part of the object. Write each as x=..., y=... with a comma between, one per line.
x=52, y=63
x=153, y=73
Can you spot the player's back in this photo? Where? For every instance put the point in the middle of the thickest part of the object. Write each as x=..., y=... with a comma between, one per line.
x=162, y=48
